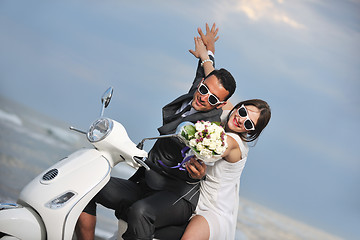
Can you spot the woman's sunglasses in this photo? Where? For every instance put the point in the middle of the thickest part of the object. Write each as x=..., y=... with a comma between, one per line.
x=248, y=124
x=212, y=99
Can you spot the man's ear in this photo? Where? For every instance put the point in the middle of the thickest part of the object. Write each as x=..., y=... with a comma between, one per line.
x=228, y=106
x=221, y=105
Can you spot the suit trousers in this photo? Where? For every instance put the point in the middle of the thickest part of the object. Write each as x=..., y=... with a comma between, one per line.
x=145, y=210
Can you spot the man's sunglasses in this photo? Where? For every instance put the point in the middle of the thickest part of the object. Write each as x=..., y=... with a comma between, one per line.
x=212, y=99
x=248, y=124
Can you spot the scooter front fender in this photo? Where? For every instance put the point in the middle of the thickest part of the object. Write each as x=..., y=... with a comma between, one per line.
x=21, y=222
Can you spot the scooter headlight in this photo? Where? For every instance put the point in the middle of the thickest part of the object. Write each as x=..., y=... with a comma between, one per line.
x=99, y=129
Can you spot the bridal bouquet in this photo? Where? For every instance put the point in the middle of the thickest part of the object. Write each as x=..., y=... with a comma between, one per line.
x=207, y=140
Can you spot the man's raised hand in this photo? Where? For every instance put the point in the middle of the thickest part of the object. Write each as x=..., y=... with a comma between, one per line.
x=210, y=37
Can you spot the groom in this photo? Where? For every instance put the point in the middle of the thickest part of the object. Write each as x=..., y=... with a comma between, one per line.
x=165, y=195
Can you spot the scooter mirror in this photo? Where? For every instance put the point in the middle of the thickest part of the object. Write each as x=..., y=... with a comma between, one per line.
x=180, y=127
x=105, y=100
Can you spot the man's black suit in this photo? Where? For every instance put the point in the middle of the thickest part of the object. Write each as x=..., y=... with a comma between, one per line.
x=168, y=150
x=162, y=196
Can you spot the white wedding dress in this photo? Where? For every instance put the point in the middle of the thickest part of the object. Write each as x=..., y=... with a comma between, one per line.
x=219, y=195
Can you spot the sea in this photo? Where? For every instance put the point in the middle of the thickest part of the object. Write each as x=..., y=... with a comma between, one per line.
x=31, y=142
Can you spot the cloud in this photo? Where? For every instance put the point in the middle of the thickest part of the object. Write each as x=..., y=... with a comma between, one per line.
x=257, y=10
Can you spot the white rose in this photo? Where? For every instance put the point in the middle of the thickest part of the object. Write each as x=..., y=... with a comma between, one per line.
x=219, y=130
x=206, y=153
x=199, y=127
x=206, y=141
x=214, y=136
x=218, y=142
x=220, y=150
x=200, y=146
x=207, y=123
x=212, y=128
x=212, y=145
x=192, y=142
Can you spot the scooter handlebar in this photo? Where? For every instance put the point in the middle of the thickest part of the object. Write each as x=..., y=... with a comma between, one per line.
x=141, y=161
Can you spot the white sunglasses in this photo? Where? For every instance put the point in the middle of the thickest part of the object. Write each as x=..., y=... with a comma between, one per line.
x=212, y=99
x=248, y=123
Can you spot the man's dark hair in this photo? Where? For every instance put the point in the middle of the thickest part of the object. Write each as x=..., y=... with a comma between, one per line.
x=226, y=80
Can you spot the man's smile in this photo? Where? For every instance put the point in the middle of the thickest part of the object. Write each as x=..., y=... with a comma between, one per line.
x=199, y=102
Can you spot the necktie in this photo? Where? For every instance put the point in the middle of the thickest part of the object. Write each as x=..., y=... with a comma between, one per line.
x=186, y=109
x=178, y=115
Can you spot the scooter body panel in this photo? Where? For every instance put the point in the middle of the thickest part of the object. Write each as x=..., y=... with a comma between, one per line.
x=22, y=223
x=52, y=202
x=71, y=182
x=120, y=147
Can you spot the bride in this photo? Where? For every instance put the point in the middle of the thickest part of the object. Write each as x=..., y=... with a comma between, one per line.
x=216, y=213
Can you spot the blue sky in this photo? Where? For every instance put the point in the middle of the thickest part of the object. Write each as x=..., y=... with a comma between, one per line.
x=301, y=56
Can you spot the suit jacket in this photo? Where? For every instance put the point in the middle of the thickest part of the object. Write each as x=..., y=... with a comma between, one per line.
x=168, y=150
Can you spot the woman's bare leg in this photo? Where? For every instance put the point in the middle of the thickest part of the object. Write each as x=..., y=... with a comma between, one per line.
x=198, y=229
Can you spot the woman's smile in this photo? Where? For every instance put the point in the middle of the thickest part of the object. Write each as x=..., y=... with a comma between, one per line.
x=236, y=123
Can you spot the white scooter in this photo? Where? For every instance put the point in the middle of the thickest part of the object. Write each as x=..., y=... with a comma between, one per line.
x=49, y=206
